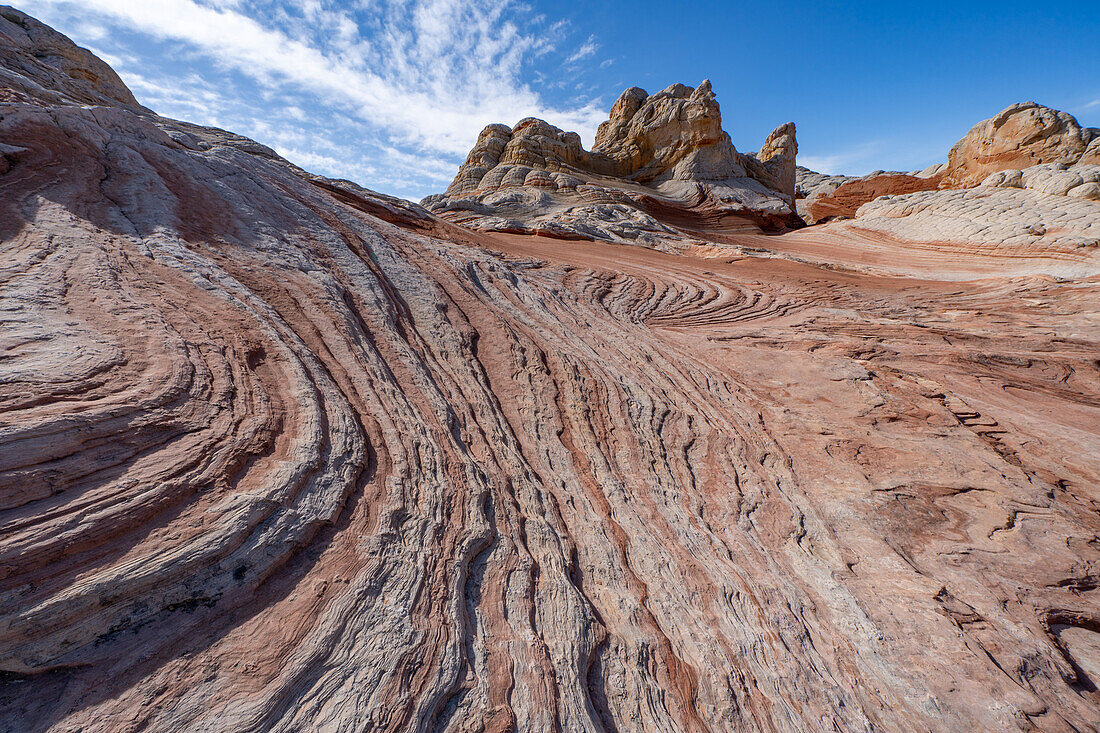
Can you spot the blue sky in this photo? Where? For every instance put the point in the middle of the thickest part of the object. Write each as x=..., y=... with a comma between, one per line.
x=392, y=94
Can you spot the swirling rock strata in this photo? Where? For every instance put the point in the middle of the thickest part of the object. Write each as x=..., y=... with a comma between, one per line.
x=278, y=453
x=661, y=165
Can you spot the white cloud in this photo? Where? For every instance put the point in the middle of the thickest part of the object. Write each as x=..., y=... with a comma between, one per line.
x=429, y=73
x=829, y=164
x=891, y=154
x=588, y=48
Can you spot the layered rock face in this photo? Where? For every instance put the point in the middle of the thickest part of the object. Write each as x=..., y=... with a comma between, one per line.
x=661, y=165
x=675, y=134
x=278, y=453
x=775, y=163
x=821, y=197
x=1037, y=206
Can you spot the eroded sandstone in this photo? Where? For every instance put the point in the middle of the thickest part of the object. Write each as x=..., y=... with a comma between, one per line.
x=278, y=453
x=1018, y=137
x=661, y=165
x=1027, y=147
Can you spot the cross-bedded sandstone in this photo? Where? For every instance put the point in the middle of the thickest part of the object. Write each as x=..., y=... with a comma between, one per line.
x=279, y=453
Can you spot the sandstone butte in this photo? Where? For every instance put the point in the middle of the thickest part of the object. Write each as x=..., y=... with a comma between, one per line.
x=278, y=453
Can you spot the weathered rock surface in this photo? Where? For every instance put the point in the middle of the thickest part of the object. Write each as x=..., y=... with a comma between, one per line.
x=930, y=170
x=278, y=453
x=775, y=163
x=987, y=215
x=1020, y=136
x=1026, y=147
x=38, y=63
x=811, y=186
x=845, y=199
x=821, y=197
x=1054, y=179
x=675, y=134
x=662, y=165
x=1044, y=205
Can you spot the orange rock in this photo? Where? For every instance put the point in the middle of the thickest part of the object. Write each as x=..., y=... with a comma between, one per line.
x=845, y=200
x=1020, y=136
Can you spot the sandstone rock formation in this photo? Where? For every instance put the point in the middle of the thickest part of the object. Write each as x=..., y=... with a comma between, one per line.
x=1020, y=136
x=930, y=171
x=832, y=197
x=810, y=186
x=1053, y=179
x=1043, y=205
x=675, y=134
x=661, y=166
x=987, y=215
x=1059, y=209
x=278, y=453
x=37, y=63
x=775, y=163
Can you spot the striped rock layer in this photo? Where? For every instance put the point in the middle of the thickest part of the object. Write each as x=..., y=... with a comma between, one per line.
x=278, y=453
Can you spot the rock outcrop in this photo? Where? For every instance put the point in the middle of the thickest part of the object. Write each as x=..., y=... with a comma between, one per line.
x=987, y=216
x=1026, y=148
x=932, y=170
x=845, y=199
x=1020, y=136
x=278, y=453
x=821, y=197
x=811, y=186
x=661, y=164
x=775, y=163
x=39, y=64
x=675, y=134
x=1044, y=205
x=1054, y=179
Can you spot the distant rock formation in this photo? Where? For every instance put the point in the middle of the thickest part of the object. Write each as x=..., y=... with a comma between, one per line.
x=1020, y=136
x=1048, y=205
x=845, y=199
x=1025, y=219
x=1043, y=163
x=775, y=165
x=660, y=164
x=811, y=186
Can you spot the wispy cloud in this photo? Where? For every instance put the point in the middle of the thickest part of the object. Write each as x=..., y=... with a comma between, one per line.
x=588, y=48
x=422, y=76
x=828, y=164
x=850, y=161
x=880, y=154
